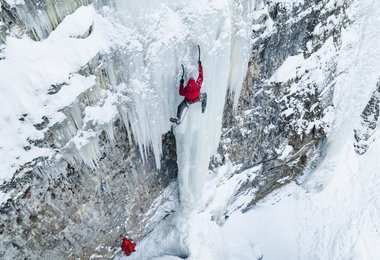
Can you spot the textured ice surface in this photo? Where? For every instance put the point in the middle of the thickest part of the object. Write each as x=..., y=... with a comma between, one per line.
x=143, y=46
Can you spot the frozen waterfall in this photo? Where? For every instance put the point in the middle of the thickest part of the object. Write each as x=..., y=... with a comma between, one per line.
x=168, y=34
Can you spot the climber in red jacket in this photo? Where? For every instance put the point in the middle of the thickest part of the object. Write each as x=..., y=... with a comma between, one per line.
x=128, y=246
x=191, y=93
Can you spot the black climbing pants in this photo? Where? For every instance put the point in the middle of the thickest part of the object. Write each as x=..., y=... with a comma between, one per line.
x=184, y=104
x=181, y=107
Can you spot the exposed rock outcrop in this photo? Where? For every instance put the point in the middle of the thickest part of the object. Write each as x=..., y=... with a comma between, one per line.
x=61, y=210
x=281, y=125
x=364, y=135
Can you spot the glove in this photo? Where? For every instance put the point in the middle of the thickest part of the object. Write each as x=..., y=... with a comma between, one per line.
x=199, y=63
x=181, y=81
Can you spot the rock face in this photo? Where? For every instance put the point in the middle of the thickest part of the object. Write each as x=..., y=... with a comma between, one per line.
x=62, y=210
x=8, y=18
x=364, y=135
x=281, y=120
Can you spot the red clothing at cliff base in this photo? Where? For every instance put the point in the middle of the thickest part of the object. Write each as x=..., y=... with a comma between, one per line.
x=193, y=88
x=128, y=246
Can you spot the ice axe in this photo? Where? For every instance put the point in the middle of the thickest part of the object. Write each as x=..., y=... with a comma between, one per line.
x=199, y=55
x=183, y=71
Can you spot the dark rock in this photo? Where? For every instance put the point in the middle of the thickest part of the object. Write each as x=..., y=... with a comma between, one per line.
x=86, y=34
x=43, y=124
x=54, y=89
x=369, y=122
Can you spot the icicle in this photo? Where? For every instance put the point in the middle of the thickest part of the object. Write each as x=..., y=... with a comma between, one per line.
x=41, y=20
x=240, y=47
x=74, y=112
x=110, y=133
x=48, y=171
x=84, y=147
x=125, y=120
x=90, y=153
x=94, y=96
x=63, y=132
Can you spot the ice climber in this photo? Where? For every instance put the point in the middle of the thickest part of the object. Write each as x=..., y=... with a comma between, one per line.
x=192, y=94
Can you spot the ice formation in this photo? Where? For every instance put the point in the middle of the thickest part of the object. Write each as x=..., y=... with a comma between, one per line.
x=141, y=47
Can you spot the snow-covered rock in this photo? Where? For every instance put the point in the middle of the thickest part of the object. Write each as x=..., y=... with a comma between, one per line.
x=284, y=112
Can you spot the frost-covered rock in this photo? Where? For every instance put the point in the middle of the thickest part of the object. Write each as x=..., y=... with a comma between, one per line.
x=60, y=209
x=284, y=111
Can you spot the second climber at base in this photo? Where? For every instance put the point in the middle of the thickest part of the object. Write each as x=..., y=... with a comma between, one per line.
x=192, y=94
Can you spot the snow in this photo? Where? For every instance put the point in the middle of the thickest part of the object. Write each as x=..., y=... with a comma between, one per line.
x=4, y=197
x=335, y=213
x=287, y=150
x=338, y=222
x=28, y=71
x=288, y=69
x=317, y=65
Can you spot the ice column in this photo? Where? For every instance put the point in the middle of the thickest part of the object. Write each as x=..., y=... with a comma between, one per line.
x=224, y=37
x=163, y=36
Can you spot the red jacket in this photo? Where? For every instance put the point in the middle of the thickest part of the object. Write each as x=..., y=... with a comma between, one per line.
x=193, y=88
x=128, y=246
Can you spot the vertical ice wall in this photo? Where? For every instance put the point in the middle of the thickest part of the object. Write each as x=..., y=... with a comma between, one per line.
x=226, y=43
x=168, y=34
